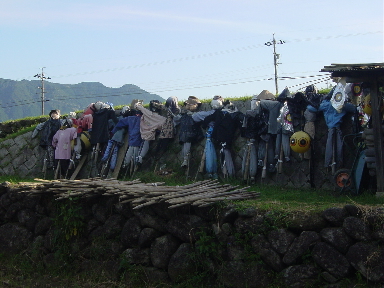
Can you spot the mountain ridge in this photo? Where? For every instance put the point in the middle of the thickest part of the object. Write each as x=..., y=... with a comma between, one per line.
x=23, y=98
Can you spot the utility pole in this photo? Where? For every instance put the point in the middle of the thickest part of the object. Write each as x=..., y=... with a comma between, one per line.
x=42, y=77
x=275, y=57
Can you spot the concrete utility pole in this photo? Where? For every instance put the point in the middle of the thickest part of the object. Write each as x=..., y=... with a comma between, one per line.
x=42, y=77
x=275, y=57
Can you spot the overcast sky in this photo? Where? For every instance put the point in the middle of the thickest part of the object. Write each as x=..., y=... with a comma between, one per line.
x=181, y=48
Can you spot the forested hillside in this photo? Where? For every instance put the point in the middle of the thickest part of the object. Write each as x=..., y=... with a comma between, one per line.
x=20, y=99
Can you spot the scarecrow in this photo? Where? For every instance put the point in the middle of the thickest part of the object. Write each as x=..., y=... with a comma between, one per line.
x=226, y=120
x=84, y=126
x=314, y=99
x=48, y=130
x=190, y=131
x=116, y=141
x=150, y=123
x=86, y=119
x=61, y=141
x=334, y=108
x=100, y=124
x=76, y=124
x=285, y=130
x=272, y=106
x=168, y=130
x=209, y=155
x=131, y=124
x=254, y=129
x=102, y=118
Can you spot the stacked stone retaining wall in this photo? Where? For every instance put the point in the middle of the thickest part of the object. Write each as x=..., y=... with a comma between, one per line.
x=238, y=247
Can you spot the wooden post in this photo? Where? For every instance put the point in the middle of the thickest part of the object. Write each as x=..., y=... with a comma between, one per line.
x=377, y=117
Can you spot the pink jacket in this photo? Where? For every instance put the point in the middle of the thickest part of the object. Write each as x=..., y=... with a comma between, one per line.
x=149, y=123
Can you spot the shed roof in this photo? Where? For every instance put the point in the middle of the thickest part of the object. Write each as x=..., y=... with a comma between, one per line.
x=372, y=73
x=355, y=70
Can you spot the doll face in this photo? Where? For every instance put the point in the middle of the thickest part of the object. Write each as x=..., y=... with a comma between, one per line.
x=55, y=115
x=216, y=104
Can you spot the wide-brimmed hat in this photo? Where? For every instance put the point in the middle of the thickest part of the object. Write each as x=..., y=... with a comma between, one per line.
x=192, y=100
x=264, y=95
x=193, y=103
x=284, y=95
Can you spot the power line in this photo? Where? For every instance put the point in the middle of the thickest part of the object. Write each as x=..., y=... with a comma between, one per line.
x=162, y=89
x=211, y=54
x=315, y=81
x=166, y=89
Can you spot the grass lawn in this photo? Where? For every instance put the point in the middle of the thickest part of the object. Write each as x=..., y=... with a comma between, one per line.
x=271, y=197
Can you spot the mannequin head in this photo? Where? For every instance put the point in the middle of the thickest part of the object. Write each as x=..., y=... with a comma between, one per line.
x=125, y=111
x=54, y=114
x=172, y=103
x=217, y=102
x=98, y=105
x=66, y=123
x=155, y=106
x=136, y=102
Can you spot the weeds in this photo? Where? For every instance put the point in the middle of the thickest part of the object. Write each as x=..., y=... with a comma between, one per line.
x=207, y=245
x=69, y=218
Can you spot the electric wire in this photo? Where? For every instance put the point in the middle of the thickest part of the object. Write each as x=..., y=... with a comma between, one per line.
x=217, y=53
x=210, y=54
x=207, y=85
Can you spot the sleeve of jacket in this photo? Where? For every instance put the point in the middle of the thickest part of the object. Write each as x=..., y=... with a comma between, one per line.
x=312, y=109
x=38, y=128
x=208, y=119
x=121, y=124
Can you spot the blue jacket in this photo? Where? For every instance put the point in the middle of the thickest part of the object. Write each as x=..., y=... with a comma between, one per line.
x=132, y=124
x=332, y=118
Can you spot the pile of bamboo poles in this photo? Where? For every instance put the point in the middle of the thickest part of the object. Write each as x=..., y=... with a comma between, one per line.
x=202, y=193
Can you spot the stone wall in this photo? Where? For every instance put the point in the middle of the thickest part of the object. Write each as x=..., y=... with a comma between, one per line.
x=238, y=247
x=23, y=157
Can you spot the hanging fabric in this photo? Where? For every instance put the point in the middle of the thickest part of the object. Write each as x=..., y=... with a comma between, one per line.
x=210, y=155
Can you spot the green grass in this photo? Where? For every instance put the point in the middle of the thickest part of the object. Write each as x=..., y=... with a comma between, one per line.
x=290, y=199
x=26, y=118
x=274, y=198
x=18, y=133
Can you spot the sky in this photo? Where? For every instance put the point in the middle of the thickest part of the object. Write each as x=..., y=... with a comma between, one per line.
x=182, y=48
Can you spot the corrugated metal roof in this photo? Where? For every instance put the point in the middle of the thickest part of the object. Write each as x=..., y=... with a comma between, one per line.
x=366, y=67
